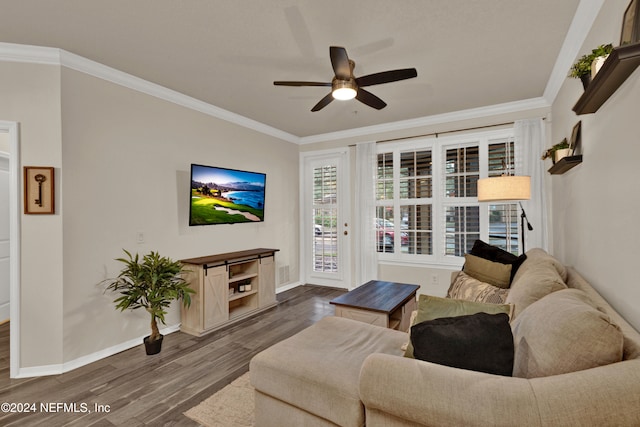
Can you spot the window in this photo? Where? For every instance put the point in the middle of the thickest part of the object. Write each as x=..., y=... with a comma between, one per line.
x=503, y=218
x=462, y=211
x=426, y=197
x=413, y=210
x=325, y=218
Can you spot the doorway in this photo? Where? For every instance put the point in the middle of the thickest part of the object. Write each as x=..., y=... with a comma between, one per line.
x=4, y=227
x=325, y=228
x=9, y=235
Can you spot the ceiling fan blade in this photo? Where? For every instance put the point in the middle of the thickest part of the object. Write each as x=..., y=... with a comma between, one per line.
x=386, y=77
x=370, y=99
x=323, y=102
x=340, y=62
x=281, y=83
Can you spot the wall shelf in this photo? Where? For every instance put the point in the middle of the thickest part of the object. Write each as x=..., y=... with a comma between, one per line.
x=564, y=164
x=622, y=61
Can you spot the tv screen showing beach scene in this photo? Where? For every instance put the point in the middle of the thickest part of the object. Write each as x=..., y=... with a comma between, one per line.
x=225, y=196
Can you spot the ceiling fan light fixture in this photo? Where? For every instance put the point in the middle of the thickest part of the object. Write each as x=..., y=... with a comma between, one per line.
x=345, y=86
x=343, y=90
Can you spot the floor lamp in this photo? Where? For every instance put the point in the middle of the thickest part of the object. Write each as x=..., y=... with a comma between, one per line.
x=507, y=188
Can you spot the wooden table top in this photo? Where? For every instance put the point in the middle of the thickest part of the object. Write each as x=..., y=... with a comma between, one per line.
x=211, y=259
x=376, y=295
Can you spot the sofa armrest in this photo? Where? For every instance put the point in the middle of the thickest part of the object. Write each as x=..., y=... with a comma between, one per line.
x=434, y=395
x=424, y=393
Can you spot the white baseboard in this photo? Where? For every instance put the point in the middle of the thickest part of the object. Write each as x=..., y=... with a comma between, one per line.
x=39, y=371
x=287, y=287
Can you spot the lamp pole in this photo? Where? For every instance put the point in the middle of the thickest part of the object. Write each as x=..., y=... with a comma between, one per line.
x=523, y=218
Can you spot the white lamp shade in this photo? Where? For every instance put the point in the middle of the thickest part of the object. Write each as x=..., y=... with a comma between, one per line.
x=503, y=188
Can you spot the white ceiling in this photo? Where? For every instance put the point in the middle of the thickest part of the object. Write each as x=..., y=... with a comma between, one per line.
x=468, y=53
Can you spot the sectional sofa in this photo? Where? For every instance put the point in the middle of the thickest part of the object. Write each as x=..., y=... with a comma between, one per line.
x=575, y=362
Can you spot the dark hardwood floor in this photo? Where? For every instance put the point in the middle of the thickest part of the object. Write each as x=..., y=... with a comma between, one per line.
x=143, y=390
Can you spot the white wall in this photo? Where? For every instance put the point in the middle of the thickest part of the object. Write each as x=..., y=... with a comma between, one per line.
x=122, y=163
x=31, y=97
x=126, y=161
x=595, y=205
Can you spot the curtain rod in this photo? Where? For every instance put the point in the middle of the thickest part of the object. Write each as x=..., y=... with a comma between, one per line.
x=443, y=132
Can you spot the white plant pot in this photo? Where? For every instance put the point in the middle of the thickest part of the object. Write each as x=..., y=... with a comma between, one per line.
x=563, y=152
x=597, y=64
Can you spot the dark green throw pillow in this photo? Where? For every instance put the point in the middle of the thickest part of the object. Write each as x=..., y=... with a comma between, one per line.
x=479, y=342
x=431, y=307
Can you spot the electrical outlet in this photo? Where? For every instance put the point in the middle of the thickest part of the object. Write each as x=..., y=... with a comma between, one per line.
x=140, y=237
x=434, y=279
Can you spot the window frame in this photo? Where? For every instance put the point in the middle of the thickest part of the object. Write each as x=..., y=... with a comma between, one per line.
x=438, y=146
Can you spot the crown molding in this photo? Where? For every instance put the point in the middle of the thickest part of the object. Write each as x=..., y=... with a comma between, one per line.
x=472, y=113
x=585, y=15
x=581, y=24
x=10, y=52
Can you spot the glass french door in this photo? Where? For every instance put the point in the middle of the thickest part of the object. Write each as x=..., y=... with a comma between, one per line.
x=325, y=226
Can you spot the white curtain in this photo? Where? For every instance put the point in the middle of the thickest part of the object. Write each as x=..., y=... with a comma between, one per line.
x=365, y=248
x=530, y=138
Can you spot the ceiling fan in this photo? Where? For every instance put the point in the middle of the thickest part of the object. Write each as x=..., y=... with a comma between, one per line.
x=345, y=85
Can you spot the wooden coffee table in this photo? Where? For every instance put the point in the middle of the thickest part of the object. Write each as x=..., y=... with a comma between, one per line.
x=386, y=304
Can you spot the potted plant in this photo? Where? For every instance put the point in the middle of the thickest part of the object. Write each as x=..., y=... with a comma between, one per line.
x=582, y=68
x=152, y=283
x=558, y=151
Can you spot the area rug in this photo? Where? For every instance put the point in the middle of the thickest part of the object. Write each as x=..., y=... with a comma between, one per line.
x=233, y=406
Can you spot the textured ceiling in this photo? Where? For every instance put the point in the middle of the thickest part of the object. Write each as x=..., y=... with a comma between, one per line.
x=468, y=53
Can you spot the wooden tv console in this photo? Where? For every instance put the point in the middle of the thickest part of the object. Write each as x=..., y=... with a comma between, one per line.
x=229, y=287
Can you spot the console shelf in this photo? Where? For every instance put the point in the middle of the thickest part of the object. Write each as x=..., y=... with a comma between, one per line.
x=241, y=295
x=220, y=283
x=622, y=61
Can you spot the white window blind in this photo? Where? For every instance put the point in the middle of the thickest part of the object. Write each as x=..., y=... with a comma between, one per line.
x=426, y=196
x=503, y=218
x=325, y=218
x=461, y=210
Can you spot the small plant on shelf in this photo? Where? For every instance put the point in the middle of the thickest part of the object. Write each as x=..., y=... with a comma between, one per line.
x=551, y=151
x=582, y=68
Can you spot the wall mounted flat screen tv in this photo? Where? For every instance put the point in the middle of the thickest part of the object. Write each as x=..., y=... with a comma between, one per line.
x=225, y=196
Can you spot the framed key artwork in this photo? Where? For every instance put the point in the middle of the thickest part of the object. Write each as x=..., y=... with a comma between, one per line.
x=39, y=190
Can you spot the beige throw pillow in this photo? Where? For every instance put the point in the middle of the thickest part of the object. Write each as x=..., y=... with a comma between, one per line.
x=471, y=289
x=564, y=332
x=494, y=273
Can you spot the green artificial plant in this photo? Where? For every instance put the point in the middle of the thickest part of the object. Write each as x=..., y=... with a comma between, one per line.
x=582, y=67
x=559, y=146
x=152, y=283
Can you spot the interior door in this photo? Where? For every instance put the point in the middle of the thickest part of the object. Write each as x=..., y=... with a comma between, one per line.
x=4, y=237
x=325, y=224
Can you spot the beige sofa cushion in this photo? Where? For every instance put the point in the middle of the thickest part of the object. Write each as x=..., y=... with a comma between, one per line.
x=317, y=369
x=564, y=332
x=537, y=277
x=536, y=256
